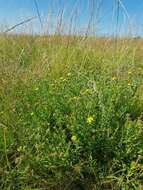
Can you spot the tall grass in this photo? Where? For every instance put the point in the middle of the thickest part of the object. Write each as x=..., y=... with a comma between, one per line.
x=71, y=112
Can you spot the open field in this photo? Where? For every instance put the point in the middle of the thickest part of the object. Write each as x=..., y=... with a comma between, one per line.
x=71, y=113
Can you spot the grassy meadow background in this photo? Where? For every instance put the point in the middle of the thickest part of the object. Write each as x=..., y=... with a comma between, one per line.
x=71, y=112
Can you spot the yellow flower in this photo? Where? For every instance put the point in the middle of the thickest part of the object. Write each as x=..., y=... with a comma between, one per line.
x=129, y=72
x=129, y=84
x=75, y=98
x=69, y=74
x=90, y=119
x=61, y=78
x=21, y=149
x=32, y=113
x=87, y=90
x=74, y=138
x=114, y=78
x=18, y=159
x=36, y=89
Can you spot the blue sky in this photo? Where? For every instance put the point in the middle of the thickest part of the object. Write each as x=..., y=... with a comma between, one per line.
x=104, y=22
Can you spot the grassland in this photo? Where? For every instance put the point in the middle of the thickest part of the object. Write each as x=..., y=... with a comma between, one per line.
x=71, y=113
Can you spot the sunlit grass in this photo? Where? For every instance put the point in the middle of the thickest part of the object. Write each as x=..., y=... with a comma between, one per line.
x=70, y=113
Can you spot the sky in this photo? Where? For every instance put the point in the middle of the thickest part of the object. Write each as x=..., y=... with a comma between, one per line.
x=99, y=17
